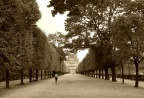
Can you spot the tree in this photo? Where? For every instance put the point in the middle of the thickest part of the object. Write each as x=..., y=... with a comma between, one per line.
x=86, y=17
x=58, y=40
x=17, y=17
x=55, y=64
x=128, y=36
x=121, y=57
x=40, y=52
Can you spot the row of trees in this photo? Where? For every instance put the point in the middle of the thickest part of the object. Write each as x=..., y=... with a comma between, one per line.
x=113, y=28
x=90, y=66
x=93, y=65
x=23, y=46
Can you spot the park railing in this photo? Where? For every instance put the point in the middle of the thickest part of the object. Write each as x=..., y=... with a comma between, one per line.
x=132, y=77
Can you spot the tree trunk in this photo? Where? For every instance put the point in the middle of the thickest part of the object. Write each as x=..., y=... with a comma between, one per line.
x=41, y=74
x=48, y=74
x=22, y=74
x=7, y=79
x=36, y=74
x=106, y=73
x=30, y=75
x=99, y=73
x=122, y=74
x=96, y=73
x=45, y=74
x=51, y=74
x=113, y=73
x=129, y=69
x=136, y=76
x=102, y=74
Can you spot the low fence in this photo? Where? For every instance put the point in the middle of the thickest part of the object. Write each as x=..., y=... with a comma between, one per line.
x=132, y=77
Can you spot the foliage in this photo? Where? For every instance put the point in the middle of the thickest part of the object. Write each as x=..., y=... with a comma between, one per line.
x=55, y=64
x=128, y=34
x=16, y=20
x=109, y=24
x=91, y=61
x=58, y=40
x=40, y=49
x=22, y=44
x=88, y=22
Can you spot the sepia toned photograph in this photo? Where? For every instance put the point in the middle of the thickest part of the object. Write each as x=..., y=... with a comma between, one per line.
x=71, y=48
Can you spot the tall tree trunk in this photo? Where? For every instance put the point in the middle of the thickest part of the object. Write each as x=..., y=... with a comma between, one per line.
x=48, y=74
x=41, y=74
x=7, y=79
x=136, y=62
x=99, y=73
x=102, y=74
x=45, y=74
x=36, y=74
x=22, y=74
x=122, y=74
x=129, y=69
x=136, y=76
x=106, y=73
x=113, y=72
x=30, y=75
x=96, y=73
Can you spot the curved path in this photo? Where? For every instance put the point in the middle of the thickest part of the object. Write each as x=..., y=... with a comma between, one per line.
x=73, y=86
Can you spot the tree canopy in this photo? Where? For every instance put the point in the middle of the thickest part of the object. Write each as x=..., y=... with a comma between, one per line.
x=114, y=25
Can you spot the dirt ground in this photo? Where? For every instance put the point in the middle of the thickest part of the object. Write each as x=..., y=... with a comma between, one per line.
x=73, y=86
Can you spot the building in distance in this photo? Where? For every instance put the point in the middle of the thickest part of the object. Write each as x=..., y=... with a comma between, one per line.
x=72, y=62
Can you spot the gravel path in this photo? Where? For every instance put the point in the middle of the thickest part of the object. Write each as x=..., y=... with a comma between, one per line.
x=74, y=86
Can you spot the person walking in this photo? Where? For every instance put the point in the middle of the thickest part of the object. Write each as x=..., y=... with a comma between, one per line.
x=56, y=78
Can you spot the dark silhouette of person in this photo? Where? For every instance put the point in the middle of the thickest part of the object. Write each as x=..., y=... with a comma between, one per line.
x=56, y=77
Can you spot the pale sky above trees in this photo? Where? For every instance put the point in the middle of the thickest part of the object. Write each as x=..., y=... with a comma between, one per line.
x=48, y=23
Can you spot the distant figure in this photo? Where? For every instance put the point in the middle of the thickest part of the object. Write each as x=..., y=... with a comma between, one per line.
x=56, y=78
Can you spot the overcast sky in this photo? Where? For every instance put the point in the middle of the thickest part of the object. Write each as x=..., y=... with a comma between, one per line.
x=50, y=24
